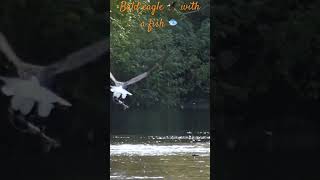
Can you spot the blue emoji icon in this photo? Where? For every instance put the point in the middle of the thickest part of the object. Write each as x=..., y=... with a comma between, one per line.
x=173, y=22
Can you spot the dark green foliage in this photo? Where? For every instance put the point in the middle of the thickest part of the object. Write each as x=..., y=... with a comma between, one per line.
x=266, y=75
x=272, y=41
x=184, y=76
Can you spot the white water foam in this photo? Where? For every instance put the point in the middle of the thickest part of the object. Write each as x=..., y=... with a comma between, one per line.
x=201, y=149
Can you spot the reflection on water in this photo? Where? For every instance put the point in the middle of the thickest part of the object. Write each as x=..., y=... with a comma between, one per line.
x=160, y=157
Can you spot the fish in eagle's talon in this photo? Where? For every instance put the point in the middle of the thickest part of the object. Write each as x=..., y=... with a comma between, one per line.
x=124, y=105
x=118, y=101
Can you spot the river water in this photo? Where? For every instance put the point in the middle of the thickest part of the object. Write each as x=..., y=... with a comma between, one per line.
x=160, y=157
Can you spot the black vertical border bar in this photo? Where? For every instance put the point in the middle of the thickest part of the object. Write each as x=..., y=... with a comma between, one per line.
x=213, y=163
x=217, y=139
x=104, y=130
x=107, y=85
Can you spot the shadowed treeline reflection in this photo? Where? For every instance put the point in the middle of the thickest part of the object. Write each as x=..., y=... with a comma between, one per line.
x=159, y=121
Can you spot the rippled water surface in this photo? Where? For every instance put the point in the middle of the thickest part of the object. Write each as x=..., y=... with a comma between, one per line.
x=160, y=157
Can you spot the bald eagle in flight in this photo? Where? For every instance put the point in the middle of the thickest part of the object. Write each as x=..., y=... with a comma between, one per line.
x=119, y=89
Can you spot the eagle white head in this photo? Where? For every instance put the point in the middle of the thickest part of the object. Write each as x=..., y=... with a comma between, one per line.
x=119, y=91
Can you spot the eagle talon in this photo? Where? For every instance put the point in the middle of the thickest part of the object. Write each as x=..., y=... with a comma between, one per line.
x=118, y=101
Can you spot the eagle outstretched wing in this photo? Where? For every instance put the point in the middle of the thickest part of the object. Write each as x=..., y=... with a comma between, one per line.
x=79, y=58
x=136, y=79
x=145, y=74
x=70, y=62
x=7, y=50
x=114, y=79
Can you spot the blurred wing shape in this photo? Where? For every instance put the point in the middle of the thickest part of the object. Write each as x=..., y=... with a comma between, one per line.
x=136, y=79
x=26, y=106
x=7, y=90
x=44, y=109
x=145, y=74
x=6, y=49
x=113, y=79
x=16, y=102
x=79, y=58
x=63, y=101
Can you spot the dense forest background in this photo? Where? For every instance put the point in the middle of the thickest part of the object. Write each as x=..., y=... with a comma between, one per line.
x=175, y=98
x=184, y=76
x=266, y=84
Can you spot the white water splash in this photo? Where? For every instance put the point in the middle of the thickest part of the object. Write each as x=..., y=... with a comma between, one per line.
x=201, y=149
